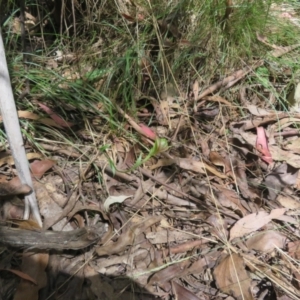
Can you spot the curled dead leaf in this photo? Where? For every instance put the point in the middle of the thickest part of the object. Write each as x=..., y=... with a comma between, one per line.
x=39, y=167
x=197, y=166
x=114, y=199
x=266, y=241
x=232, y=278
x=34, y=265
x=13, y=187
x=127, y=238
x=254, y=222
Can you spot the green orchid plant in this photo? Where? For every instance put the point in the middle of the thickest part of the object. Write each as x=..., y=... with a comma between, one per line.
x=160, y=145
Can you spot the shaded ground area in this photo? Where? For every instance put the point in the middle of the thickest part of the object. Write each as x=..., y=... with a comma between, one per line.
x=164, y=147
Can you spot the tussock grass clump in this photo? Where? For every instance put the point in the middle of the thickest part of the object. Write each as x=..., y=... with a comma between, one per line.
x=101, y=54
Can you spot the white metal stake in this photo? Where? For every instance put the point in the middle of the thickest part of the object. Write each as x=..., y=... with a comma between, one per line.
x=13, y=132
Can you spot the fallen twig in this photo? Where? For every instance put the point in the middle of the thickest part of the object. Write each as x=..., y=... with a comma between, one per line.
x=38, y=239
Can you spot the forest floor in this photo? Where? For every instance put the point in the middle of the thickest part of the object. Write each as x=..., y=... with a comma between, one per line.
x=165, y=150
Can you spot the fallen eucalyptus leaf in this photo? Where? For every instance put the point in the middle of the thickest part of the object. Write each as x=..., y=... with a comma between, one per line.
x=114, y=199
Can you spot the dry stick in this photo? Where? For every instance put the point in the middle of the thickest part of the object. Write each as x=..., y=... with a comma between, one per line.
x=75, y=239
x=13, y=132
x=238, y=75
x=71, y=202
x=228, y=81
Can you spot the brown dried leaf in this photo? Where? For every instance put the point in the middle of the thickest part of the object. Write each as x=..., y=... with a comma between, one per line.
x=219, y=99
x=232, y=278
x=288, y=219
x=285, y=297
x=197, y=166
x=13, y=187
x=114, y=199
x=21, y=275
x=98, y=285
x=29, y=24
x=254, y=222
x=294, y=249
x=219, y=226
x=144, y=187
x=163, y=277
x=39, y=167
x=47, y=196
x=182, y=293
x=161, y=163
x=31, y=116
x=221, y=161
x=182, y=268
x=266, y=241
x=259, y=112
x=127, y=238
x=184, y=247
x=34, y=265
x=281, y=155
x=242, y=180
x=162, y=111
x=234, y=168
x=10, y=161
x=167, y=236
x=288, y=202
x=282, y=176
x=286, y=121
x=294, y=146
